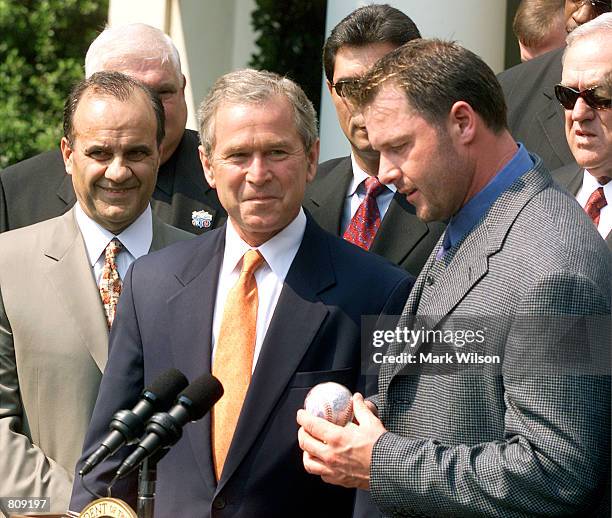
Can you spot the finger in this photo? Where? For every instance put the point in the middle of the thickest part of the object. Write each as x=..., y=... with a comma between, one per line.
x=372, y=407
x=311, y=445
x=362, y=413
x=315, y=466
x=317, y=427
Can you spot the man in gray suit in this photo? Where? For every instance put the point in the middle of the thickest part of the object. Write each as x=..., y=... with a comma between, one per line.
x=494, y=394
x=585, y=93
x=338, y=197
x=59, y=281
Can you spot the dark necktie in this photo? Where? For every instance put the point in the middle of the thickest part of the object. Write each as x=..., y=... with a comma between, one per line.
x=594, y=204
x=365, y=222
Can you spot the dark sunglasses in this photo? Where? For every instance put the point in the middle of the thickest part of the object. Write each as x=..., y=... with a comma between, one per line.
x=340, y=86
x=568, y=96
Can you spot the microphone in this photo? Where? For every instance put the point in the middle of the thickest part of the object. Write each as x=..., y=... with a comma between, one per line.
x=129, y=425
x=166, y=428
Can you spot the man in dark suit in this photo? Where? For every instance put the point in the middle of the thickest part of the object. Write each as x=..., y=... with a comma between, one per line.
x=498, y=403
x=301, y=326
x=39, y=188
x=339, y=193
x=534, y=116
x=588, y=120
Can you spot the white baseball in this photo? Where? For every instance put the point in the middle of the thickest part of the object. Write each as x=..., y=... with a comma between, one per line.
x=330, y=401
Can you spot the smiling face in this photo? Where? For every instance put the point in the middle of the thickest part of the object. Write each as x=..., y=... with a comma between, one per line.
x=352, y=63
x=259, y=166
x=589, y=131
x=113, y=158
x=418, y=157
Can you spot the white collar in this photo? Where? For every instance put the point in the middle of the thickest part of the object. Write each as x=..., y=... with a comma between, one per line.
x=136, y=238
x=359, y=175
x=278, y=252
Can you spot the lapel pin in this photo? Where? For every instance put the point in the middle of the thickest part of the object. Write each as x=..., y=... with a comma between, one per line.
x=201, y=219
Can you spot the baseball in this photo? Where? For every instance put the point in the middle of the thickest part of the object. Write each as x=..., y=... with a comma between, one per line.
x=330, y=401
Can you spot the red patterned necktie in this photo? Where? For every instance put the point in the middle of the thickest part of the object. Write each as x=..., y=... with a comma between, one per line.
x=365, y=222
x=595, y=203
x=110, y=283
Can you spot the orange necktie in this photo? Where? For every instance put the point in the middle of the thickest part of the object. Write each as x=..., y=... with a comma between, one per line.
x=233, y=360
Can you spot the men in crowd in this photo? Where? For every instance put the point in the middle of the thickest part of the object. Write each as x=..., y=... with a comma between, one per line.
x=60, y=280
x=522, y=271
x=534, y=116
x=39, y=188
x=270, y=303
x=539, y=27
x=346, y=197
x=586, y=95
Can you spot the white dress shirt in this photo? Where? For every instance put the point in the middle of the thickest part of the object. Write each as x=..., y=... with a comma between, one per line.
x=136, y=240
x=590, y=185
x=278, y=253
x=356, y=193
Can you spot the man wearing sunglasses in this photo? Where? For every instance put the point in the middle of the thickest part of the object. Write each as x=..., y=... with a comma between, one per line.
x=585, y=94
x=346, y=197
x=534, y=115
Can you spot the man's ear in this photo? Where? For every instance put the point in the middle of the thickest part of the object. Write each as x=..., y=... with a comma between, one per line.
x=329, y=86
x=207, y=166
x=184, y=82
x=462, y=120
x=66, y=150
x=312, y=157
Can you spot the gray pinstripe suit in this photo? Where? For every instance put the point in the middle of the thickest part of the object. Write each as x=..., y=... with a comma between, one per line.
x=517, y=439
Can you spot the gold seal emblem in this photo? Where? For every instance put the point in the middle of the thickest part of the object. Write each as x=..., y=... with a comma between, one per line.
x=108, y=507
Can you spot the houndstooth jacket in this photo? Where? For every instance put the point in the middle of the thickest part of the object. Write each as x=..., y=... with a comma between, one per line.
x=529, y=436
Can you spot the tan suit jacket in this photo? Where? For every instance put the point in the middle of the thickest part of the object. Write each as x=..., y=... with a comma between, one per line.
x=53, y=349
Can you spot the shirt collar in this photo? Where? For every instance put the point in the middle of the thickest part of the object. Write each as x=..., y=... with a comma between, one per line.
x=136, y=238
x=590, y=183
x=359, y=175
x=468, y=216
x=278, y=252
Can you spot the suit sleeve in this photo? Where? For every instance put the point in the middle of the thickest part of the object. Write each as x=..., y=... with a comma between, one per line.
x=120, y=388
x=554, y=457
x=24, y=469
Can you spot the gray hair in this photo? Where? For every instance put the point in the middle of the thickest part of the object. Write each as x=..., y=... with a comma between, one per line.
x=601, y=24
x=256, y=87
x=133, y=41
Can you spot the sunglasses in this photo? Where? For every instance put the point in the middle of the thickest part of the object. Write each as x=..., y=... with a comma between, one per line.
x=340, y=86
x=592, y=96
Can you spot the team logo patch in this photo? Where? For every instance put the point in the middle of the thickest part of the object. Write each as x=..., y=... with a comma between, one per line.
x=201, y=219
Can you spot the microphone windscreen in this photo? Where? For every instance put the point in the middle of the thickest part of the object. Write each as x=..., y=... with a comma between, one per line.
x=203, y=393
x=166, y=386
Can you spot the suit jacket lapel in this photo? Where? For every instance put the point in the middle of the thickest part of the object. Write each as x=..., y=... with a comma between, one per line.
x=190, y=311
x=399, y=232
x=68, y=269
x=330, y=195
x=551, y=121
x=570, y=177
x=287, y=340
x=65, y=191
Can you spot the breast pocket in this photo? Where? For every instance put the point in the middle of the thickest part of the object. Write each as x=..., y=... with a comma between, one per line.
x=309, y=379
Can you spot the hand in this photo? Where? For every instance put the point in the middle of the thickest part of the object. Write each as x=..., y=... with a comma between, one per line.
x=340, y=455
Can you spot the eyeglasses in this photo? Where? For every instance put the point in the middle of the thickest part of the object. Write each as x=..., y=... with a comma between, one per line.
x=339, y=86
x=592, y=96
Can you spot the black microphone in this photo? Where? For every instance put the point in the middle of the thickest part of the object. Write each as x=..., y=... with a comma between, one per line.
x=166, y=428
x=129, y=425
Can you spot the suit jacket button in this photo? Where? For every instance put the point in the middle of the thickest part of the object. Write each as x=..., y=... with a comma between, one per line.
x=429, y=280
x=218, y=502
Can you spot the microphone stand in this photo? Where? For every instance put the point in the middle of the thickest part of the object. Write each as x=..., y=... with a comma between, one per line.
x=147, y=477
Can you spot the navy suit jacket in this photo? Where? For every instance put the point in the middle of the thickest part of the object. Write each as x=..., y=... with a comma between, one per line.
x=165, y=320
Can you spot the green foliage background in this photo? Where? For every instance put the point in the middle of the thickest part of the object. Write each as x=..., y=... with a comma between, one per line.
x=291, y=35
x=42, y=50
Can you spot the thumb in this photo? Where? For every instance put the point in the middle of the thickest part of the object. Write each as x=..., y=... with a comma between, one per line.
x=360, y=409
